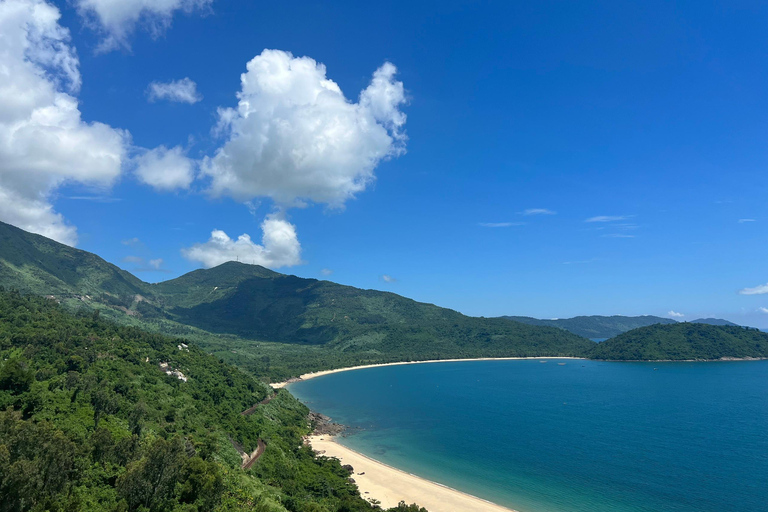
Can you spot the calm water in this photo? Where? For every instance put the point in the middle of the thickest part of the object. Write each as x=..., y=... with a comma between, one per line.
x=584, y=436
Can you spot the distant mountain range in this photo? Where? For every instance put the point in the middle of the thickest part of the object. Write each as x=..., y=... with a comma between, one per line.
x=714, y=321
x=278, y=325
x=604, y=327
x=595, y=326
x=253, y=303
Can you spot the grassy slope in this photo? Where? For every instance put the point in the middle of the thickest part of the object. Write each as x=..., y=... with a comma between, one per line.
x=596, y=326
x=684, y=341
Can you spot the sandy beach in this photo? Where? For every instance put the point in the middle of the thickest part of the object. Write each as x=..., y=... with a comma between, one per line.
x=313, y=375
x=390, y=485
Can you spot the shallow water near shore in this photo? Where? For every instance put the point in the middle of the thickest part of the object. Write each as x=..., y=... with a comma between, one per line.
x=553, y=437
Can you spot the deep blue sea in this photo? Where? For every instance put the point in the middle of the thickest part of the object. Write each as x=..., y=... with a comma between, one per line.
x=583, y=436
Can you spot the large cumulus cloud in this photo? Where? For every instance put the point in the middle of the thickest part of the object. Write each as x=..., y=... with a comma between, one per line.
x=279, y=247
x=295, y=137
x=44, y=143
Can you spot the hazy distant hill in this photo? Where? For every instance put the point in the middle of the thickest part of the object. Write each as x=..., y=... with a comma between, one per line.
x=684, y=341
x=252, y=302
x=595, y=326
x=714, y=321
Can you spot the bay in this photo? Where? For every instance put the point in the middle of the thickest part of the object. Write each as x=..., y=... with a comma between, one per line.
x=565, y=435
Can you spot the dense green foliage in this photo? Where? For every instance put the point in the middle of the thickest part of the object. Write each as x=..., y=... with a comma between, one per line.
x=255, y=317
x=35, y=264
x=89, y=420
x=595, y=326
x=684, y=341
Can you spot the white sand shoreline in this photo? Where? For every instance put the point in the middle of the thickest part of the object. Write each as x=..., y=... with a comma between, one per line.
x=313, y=375
x=390, y=485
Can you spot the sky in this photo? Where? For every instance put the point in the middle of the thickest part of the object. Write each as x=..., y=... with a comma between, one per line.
x=497, y=158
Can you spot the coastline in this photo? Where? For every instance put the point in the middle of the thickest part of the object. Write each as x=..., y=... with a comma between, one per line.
x=390, y=485
x=313, y=375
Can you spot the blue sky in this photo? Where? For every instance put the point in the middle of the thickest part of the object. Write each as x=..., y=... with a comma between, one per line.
x=548, y=160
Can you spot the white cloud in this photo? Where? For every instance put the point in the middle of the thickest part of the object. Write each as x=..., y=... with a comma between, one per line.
x=165, y=169
x=142, y=265
x=742, y=221
x=757, y=290
x=96, y=199
x=675, y=314
x=763, y=310
x=606, y=218
x=117, y=19
x=538, y=211
x=279, y=247
x=500, y=224
x=617, y=235
x=182, y=91
x=44, y=143
x=294, y=137
x=388, y=279
x=326, y=271
x=131, y=241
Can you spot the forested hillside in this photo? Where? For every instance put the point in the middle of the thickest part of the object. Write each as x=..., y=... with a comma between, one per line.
x=95, y=416
x=684, y=341
x=238, y=307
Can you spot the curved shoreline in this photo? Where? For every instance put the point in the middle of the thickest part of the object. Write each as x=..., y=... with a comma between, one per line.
x=322, y=373
x=389, y=485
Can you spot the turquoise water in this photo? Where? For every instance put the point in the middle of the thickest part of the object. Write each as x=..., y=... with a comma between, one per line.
x=584, y=436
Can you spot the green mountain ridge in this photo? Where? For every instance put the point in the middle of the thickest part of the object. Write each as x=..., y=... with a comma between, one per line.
x=683, y=342
x=278, y=326
x=595, y=326
x=236, y=302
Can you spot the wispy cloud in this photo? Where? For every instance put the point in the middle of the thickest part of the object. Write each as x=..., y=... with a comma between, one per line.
x=143, y=265
x=763, y=310
x=388, y=279
x=607, y=218
x=617, y=235
x=757, y=290
x=500, y=224
x=96, y=199
x=326, y=271
x=181, y=91
x=742, y=221
x=675, y=314
x=538, y=211
x=131, y=241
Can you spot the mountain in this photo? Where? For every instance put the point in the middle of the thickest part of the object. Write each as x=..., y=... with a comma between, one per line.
x=714, y=321
x=35, y=264
x=96, y=417
x=595, y=326
x=684, y=341
x=227, y=306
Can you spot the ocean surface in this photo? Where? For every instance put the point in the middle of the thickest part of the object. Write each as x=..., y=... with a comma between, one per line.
x=580, y=436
